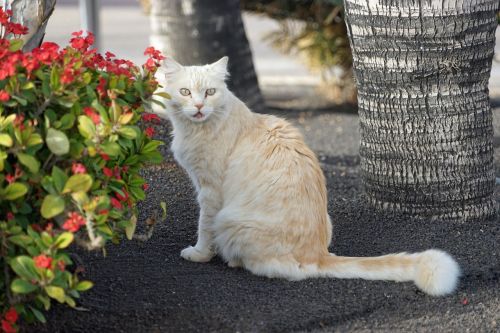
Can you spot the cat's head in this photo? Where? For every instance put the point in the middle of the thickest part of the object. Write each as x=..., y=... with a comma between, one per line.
x=197, y=92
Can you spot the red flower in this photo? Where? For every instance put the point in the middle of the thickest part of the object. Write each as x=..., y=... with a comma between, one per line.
x=7, y=327
x=107, y=172
x=78, y=168
x=36, y=227
x=61, y=265
x=117, y=173
x=68, y=76
x=105, y=156
x=4, y=96
x=78, y=43
x=101, y=87
x=10, y=216
x=123, y=197
x=103, y=212
x=89, y=111
x=150, y=131
x=16, y=29
x=155, y=54
x=89, y=39
x=42, y=261
x=145, y=186
x=150, y=117
x=30, y=63
x=115, y=203
x=19, y=121
x=11, y=315
x=10, y=178
x=150, y=64
x=74, y=222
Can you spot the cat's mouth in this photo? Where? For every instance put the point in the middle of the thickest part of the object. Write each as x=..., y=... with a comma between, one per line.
x=199, y=115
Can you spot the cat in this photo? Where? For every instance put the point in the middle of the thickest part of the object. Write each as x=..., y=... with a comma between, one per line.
x=262, y=193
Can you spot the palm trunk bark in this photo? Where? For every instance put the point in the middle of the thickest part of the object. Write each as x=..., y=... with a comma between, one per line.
x=422, y=69
x=198, y=32
x=34, y=14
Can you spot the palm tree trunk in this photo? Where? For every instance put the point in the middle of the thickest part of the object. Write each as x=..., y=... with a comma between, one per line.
x=199, y=32
x=422, y=69
x=34, y=14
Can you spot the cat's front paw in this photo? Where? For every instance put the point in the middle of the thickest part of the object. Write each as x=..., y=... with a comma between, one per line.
x=193, y=254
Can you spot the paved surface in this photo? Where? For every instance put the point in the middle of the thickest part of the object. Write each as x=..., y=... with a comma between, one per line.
x=149, y=288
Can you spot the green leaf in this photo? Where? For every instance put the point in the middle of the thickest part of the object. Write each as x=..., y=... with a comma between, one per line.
x=163, y=94
x=24, y=267
x=20, y=286
x=3, y=157
x=130, y=228
x=111, y=148
x=16, y=45
x=80, y=197
x=57, y=142
x=64, y=240
x=44, y=300
x=38, y=315
x=127, y=132
x=151, y=146
x=35, y=139
x=163, y=206
x=21, y=100
x=84, y=285
x=70, y=301
x=86, y=127
x=67, y=121
x=28, y=85
x=59, y=178
x=21, y=240
x=14, y=191
x=52, y=205
x=29, y=161
x=6, y=140
x=54, y=78
x=56, y=293
x=77, y=183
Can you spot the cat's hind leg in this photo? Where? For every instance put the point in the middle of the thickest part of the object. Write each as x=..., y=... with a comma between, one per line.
x=235, y=263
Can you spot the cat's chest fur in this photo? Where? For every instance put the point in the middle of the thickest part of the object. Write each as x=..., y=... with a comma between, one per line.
x=204, y=158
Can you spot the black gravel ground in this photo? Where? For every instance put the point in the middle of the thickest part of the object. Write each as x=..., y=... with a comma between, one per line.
x=147, y=287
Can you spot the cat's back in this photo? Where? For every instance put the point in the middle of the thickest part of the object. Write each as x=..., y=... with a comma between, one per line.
x=273, y=151
x=273, y=136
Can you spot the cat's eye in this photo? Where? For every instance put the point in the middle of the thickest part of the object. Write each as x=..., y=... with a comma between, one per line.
x=210, y=91
x=185, y=92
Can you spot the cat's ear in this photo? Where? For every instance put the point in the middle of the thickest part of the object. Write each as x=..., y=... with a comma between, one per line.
x=170, y=67
x=220, y=68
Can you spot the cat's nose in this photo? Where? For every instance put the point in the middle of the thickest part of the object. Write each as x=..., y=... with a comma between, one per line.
x=199, y=106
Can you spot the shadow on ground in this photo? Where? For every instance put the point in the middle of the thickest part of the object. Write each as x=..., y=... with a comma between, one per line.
x=149, y=288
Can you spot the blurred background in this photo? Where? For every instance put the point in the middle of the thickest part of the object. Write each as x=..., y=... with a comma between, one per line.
x=300, y=50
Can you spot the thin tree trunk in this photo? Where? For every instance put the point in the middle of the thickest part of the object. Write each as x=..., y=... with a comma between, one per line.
x=34, y=14
x=422, y=69
x=198, y=32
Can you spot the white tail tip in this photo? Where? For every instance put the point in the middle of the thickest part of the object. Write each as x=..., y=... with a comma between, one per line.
x=436, y=273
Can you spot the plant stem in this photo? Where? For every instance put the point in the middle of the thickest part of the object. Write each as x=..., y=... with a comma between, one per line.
x=6, y=269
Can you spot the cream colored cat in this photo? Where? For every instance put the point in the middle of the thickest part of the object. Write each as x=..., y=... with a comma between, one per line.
x=262, y=193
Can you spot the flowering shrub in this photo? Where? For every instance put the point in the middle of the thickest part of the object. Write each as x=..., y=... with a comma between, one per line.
x=70, y=155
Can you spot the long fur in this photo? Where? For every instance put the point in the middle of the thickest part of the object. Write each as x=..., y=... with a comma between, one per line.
x=262, y=193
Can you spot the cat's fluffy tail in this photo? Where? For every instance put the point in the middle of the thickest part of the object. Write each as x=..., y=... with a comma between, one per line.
x=433, y=271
